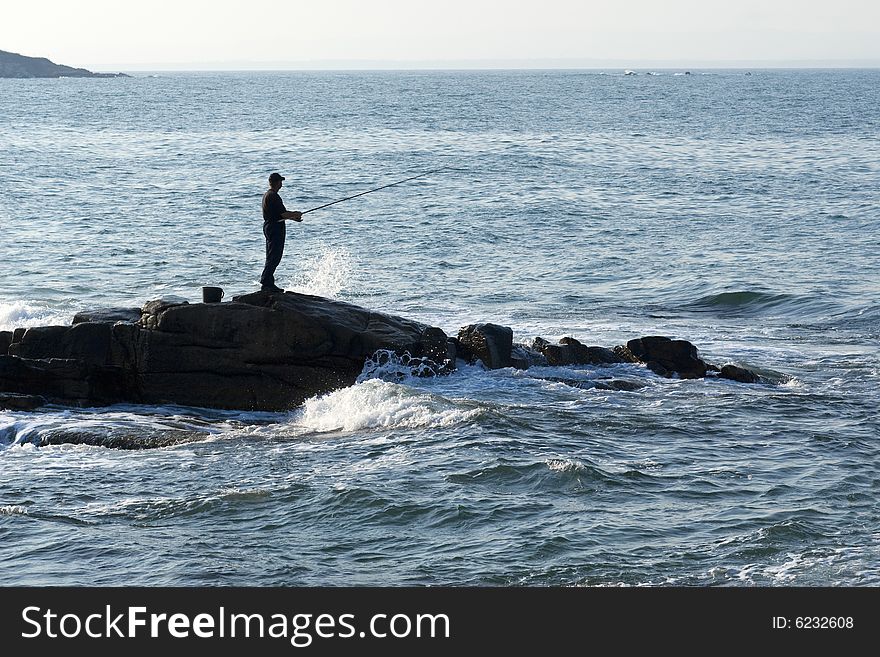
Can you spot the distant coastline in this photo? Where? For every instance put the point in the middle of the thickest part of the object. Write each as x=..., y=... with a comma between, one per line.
x=13, y=65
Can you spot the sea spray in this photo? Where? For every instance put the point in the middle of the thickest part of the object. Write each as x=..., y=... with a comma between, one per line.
x=328, y=273
x=376, y=404
x=23, y=314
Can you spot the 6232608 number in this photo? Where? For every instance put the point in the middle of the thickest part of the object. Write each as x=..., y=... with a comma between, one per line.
x=823, y=622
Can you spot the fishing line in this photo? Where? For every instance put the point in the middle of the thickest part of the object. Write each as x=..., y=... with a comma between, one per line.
x=370, y=191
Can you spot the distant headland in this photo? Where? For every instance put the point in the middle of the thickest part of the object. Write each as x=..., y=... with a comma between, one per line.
x=13, y=65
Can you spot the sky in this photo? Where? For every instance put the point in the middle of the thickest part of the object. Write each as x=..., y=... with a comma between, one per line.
x=109, y=35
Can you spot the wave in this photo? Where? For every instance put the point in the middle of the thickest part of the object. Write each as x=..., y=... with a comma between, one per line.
x=555, y=474
x=749, y=302
x=377, y=404
x=22, y=314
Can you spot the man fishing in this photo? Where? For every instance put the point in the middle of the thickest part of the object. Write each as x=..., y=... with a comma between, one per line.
x=275, y=230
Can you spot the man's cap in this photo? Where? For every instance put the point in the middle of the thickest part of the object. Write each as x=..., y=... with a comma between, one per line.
x=275, y=176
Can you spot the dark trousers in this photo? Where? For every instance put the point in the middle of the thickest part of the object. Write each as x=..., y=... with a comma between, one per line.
x=275, y=233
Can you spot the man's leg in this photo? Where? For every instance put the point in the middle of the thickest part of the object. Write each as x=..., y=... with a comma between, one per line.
x=275, y=234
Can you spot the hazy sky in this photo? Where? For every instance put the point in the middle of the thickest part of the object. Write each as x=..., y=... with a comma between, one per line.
x=117, y=34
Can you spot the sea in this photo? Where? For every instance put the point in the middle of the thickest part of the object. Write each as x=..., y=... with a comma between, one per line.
x=736, y=209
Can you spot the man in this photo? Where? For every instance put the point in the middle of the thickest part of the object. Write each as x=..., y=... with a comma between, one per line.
x=275, y=230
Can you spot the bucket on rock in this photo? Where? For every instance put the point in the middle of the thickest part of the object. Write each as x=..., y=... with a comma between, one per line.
x=212, y=294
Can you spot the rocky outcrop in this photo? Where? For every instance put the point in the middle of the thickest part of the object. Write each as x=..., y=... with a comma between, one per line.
x=13, y=65
x=490, y=343
x=740, y=374
x=267, y=351
x=668, y=357
x=572, y=352
x=262, y=351
x=11, y=401
x=108, y=315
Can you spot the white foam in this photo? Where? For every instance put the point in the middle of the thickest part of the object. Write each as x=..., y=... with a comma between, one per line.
x=21, y=314
x=13, y=510
x=327, y=273
x=564, y=465
x=378, y=404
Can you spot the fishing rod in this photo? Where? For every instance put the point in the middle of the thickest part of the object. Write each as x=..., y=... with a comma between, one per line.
x=370, y=191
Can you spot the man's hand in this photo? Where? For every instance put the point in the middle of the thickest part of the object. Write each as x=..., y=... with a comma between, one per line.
x=296, y=215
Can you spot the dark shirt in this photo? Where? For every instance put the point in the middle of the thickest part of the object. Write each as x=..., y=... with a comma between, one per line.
x=273, y=206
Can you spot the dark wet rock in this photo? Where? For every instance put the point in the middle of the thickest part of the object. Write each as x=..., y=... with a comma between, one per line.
x=712, y=368
x=115, y=440
x=88, y=342
x=740, y=374
x=619, y=385
x=435, y=346
x=262, y=351
x=667, y=357
x=42, y=340
x=490, y=343
x=271, y=351
x=523, y=357
x=584, y=355
x=152, y=310
x=624, y=354
x=73, y=381
x=572, y=352
x=108, y=315
x=601, y=384
x=16, y=402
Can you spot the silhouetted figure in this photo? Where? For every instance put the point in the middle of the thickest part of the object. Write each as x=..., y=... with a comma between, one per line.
x=275, y=230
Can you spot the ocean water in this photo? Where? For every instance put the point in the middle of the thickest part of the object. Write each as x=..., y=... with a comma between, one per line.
x=740, y=212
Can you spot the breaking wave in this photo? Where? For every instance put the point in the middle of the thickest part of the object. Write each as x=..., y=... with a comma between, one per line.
x=21, y=314
x=377, y=404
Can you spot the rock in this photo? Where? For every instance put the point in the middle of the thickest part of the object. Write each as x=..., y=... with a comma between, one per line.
x=15, y=402
x=63, y=379
x=108, y=315
x=667, y=357
x=572, y=352
x=269, y=351
x=87, y=342
x=39, y=340
x=624, y=354
x=152, y=310
x=740, y=374
x=620, y=385
x=272, y=351
x=523, y=357
x=490, y=343
x=601, y=384
x=265, y=352
x=584, y=355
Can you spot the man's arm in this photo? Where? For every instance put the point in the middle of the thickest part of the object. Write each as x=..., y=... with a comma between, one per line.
x=296, y=215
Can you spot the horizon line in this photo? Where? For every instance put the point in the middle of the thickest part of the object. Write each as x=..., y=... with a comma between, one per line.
x=487, y=64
